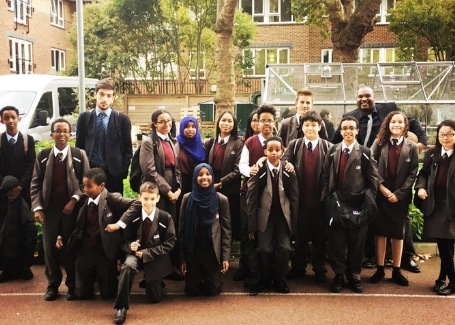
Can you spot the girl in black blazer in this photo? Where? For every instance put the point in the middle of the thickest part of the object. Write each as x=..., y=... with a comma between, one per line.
x=398, y=161
x=223, y=155
x=435, y=186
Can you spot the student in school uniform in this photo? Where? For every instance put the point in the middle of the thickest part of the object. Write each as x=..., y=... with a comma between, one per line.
x=398, y=161
x=147, y=243
x=204, y=235
x=272, y=212
x=55, y=191
x=344, y=171
x=223, y=154
x=307, y=155
x=96, y=259
x=435, y=186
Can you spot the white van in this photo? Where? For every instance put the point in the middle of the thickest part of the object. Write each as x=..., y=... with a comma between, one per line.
x=41, y=99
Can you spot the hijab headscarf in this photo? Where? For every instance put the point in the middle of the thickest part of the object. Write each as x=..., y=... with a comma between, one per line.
x=201, y=209
x=192, y=146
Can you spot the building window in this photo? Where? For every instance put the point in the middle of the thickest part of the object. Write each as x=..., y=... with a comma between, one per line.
x=382, y=17
x=327, y=56
x=58, y=59
x=267, y=11
x=263, y=57
x=382, y=55
x=197, y=68
x=20, y=56
x=22, y=9
x=57, y=13
x=433, y=56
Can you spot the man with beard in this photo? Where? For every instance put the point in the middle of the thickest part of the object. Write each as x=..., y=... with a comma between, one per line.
x=370, y=115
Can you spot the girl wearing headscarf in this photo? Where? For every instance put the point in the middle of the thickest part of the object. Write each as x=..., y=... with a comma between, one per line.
x=190, y=150
x=204, y=235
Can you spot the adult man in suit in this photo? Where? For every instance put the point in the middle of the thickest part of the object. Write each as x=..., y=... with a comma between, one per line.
x=105, y=135
x=17, y=155
x=345, y=171
x=55, y=190
x=370, y=116
x=291, y=127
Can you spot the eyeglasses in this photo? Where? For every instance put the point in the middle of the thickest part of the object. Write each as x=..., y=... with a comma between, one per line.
x=254, y=121
x=446, y=135
x=266, y=121
x=351, y=128
x=61, y=132
x=164, y=122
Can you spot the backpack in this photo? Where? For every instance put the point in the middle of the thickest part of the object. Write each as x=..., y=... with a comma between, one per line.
x=77, y=161
x=135, y=171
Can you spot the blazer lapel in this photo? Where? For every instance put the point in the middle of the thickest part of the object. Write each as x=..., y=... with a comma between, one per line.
x=404, y=154
x=102, y=205
x=451, y=170
x=353, y=156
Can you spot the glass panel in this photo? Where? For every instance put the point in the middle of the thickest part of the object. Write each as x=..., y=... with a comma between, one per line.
x=258, y=7
x=259, y=62
x=283, y=56
x=274, y=6
x=271, y=56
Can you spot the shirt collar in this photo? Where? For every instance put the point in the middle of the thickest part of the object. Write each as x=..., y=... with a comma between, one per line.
x=8, y=137
x=151, y=216
x=400, y=140
x=162, y=136
x=261, y=139
x=271, y=167
x=343, y=145
x=95, y=200
x=107, y=111
x=449, y=152
x=226, y=139
x=314, y=143
x=64, y=151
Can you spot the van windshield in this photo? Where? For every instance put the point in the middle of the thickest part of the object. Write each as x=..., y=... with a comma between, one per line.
x=22, y=100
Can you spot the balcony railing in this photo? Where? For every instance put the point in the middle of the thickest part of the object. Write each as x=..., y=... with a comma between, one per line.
x=174, y=87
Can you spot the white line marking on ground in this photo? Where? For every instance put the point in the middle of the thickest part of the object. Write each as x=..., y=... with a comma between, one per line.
x=296, y=294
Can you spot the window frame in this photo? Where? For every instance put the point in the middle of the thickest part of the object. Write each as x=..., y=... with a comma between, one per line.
x=58, y=59
x=22, y=10
x=383, y=12
x=23, y=50
x=268, y=57
x=57, y=13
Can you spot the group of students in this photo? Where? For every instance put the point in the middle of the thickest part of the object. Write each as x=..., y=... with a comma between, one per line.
x=191, y=204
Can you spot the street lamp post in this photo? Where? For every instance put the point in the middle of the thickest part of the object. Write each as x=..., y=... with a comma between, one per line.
x=80, y=53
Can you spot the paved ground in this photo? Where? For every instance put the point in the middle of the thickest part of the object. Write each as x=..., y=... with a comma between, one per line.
x=308, y=303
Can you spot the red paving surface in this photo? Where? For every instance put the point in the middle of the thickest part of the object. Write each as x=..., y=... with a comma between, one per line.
x=308, y=303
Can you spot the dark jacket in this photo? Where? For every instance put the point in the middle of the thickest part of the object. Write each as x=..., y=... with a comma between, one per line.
x=161, y=240
x=119, y=148
x=383, y=109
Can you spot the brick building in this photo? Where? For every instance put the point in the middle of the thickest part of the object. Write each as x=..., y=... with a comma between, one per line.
x=34, y=35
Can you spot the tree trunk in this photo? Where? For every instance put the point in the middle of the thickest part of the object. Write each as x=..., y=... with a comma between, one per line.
x=224, y=60
x=349, y=27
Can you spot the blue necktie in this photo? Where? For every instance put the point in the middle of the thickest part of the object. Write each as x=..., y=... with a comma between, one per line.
x=101, y=140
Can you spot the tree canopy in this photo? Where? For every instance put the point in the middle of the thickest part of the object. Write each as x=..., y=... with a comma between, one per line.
x=151, y=40
x=423, y=24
